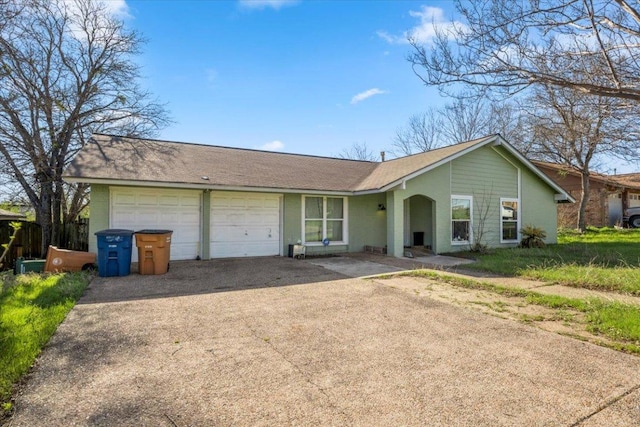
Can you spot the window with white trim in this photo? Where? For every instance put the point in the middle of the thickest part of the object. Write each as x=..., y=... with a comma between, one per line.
x=461, y=214
x=509, y=220
x=324, y=218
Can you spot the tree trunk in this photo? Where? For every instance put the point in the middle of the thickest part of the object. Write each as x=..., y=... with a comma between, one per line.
x=584, y=201
x=43, y=217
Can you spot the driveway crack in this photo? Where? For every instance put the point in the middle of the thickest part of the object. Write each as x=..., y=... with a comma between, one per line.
x=302, y=373
x=606, y=405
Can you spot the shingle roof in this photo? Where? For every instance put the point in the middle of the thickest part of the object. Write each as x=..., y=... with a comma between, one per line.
x=631, y=180
x=113, y=159
x=130, y=159
x=8, y=215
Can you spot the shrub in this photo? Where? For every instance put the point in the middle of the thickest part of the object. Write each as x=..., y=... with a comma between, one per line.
x=532, y=237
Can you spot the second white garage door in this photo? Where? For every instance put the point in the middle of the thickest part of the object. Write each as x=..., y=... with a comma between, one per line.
x=176, y=210
x=244, y=224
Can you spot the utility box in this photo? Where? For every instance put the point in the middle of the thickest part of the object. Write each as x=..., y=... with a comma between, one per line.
x=299, y=251
x=65, y=260
x=114, y=252
x=154, y=251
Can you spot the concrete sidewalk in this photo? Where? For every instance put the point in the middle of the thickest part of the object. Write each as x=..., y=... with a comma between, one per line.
x=364, y=265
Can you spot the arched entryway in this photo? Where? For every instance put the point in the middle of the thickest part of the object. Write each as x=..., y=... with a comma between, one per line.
x=419, y=220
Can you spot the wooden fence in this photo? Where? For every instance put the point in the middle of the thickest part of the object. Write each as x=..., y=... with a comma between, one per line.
x=27, y=242
x=74, y=236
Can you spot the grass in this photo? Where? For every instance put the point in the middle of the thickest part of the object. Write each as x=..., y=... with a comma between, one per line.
x=31, y=308
x=616, y=321
x=601, y=259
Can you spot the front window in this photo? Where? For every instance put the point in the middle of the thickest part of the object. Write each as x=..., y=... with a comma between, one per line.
x=460, y=219
x=509, y=220
x=324, y=218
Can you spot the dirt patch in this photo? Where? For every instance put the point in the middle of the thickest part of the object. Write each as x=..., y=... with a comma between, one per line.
x=563, y=321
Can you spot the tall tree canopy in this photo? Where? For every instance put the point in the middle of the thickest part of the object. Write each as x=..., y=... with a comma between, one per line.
x=507, y=45
x=66, y=70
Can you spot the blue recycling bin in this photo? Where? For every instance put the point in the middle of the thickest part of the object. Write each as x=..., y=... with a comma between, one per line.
x=114, y=252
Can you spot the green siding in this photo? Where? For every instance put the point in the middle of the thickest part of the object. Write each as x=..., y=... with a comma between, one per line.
x=487, y=176
x=484, y=171
x=99, y=199
x=538, y=206
x=292, y=220
x=366, y=225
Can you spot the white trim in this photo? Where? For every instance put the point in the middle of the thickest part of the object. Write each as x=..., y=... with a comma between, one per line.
x=202, y=187
x=461, y=242
x=510, y=199
x=345, y=220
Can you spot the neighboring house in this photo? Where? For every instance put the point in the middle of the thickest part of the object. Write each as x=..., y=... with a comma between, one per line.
x=229, y=202
x=609, y=196
x=6, y=215
x=630, y=194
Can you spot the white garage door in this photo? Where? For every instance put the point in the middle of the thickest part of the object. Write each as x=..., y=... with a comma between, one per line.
x=177, y=210
x=244, y=224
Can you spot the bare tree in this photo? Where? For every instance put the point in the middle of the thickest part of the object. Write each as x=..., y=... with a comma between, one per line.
x=358, y=151
x=463, y=119
x=67, y=71
x=578, y=130
x=507, y=46
x=422, y=133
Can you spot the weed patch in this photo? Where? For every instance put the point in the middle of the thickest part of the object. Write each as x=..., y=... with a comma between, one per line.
x=616, y=321
x=31, y=308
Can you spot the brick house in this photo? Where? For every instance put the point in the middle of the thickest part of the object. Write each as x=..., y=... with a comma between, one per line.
x=610, y=195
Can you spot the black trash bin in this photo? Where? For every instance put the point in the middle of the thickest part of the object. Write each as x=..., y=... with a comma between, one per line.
x=114, y=252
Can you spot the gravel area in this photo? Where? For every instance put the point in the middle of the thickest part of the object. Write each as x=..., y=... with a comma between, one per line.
x=275, y=341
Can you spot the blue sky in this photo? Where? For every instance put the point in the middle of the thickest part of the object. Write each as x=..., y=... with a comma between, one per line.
x=311, y=77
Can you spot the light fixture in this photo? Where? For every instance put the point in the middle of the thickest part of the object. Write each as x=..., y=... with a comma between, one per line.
x=381, y=207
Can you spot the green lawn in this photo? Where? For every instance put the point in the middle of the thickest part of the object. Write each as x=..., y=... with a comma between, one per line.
x=602, y=259
x=31, y=308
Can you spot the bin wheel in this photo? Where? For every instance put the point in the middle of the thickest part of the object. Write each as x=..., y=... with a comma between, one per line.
x=89, y=267
x=168, y=265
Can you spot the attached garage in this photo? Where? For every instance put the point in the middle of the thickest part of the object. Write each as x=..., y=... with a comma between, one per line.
x=177, y=210
x=245, y=224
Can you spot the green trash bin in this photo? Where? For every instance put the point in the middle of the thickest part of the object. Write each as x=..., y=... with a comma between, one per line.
x=29, y=265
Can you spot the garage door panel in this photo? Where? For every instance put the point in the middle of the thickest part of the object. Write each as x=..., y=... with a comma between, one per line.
x=176, y=210
x=169, y=201
x=148, y=200
x=244, y=224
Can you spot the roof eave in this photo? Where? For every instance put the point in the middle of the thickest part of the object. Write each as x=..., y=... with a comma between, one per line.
x=204, y=186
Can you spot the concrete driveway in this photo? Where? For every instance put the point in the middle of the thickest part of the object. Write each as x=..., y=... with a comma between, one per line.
x=276, y=341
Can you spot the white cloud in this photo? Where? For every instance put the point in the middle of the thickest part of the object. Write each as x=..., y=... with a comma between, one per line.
x=431, y=21
x=273, y=146
x=367, y=94
x=263, y=4
x=117, y=8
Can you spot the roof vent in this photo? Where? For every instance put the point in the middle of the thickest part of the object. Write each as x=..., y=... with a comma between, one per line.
x=206, y=178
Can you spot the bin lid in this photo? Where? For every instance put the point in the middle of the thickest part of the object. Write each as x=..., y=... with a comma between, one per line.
x=153, y=231
x=114, y=232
